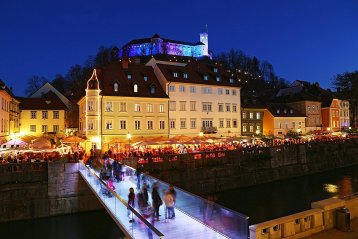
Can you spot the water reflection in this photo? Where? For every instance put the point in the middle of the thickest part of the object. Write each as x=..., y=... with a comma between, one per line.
x=277, y=199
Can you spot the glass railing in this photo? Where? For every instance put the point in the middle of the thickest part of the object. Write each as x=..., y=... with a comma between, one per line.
x=132, y=223
x=223, y=220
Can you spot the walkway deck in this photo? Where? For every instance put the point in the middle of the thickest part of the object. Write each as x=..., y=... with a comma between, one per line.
x=183, y=226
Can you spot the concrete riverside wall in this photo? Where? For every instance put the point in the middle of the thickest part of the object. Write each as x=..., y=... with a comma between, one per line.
x=321, y=217
x=40, y=190
x=208, y=172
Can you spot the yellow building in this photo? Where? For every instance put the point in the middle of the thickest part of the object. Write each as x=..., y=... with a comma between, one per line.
x=203, y=97
x=279, y=119
x=42, y=115
x=122, y=100
x=5, y=98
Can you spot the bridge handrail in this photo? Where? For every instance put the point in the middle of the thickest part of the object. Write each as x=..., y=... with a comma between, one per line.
x=137, y=214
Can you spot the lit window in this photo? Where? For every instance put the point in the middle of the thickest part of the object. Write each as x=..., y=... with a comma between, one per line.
x=258, y=115
x=231, y=80
x=135, y=88
x=115, y=87
x=136, y=107
x=251, y=115
x=215, y=69
x=244, y=114
x=244, y=128
x=129, y=76
x=186, y=75
x=145, y=78
x=206, y=77
x=149, y=108
x=175, y=74
x=218, y=78
x=161, y=108
x=152, y=90
x=251, y=128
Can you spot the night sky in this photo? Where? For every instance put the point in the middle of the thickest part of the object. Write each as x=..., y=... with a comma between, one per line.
x=308, y=40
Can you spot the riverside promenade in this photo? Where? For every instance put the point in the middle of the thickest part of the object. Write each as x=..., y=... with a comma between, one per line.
x=336, y=234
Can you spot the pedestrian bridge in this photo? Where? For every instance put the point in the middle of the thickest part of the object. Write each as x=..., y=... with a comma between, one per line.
x=195, y=217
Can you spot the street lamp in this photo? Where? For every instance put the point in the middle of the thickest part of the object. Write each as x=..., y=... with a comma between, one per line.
x=129, y=141
x=329, y=129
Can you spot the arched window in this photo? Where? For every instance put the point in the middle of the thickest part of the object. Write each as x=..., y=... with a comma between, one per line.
x=115, y=87
x=135, y=88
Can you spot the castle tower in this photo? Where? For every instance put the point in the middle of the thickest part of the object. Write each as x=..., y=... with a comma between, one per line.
x=204, y=38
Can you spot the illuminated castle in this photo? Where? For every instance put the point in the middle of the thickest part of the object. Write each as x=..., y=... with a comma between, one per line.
x=158, y=45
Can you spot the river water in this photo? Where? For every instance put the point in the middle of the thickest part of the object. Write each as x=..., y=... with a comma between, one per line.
x=261, y=203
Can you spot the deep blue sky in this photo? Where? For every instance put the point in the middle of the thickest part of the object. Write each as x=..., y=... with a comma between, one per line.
x=309, y=40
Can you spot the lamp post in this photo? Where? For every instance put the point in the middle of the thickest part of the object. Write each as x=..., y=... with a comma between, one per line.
x=129, y=141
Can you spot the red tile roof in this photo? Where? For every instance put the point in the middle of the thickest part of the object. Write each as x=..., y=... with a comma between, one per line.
x=49, y=101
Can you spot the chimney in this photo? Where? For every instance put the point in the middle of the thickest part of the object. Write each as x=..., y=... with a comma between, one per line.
x=125, y=63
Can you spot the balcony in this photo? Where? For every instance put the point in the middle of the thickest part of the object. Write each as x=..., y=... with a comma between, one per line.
x=209, y=130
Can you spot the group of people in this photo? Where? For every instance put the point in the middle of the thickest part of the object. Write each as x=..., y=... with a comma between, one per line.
x=151, y=210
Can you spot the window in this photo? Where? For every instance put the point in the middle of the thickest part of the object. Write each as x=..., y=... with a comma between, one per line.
x=228, y=107
x=251, y=115
x=278, y=111
x=192, y=105
x=279, y=125
x=152, y=89
x=244, y=128
x=293, y=125
x=33, y=114
x=123, y=107
x=175, y=74
x=206, y=90
x=218, y=79
x=251, y=128
x=135, y=88
x=32, y=128
x=206, y=123
x=221, y=123
x=109, y=124
x=44, y=114
x=192, y=89
x=172, y=105
x=171, y=88
x=109, y=106
x=137, y=124
x=206, y=107
x=161, y=108
x=182, y=105
x=136, y=107
x=186, y=75
x=150, y=124
x=205, y=77
x=149, y=108
x=123, y=124
x=181, y=88
x=215, y=69
x=233, y=92
x=258, y=115
x=161, y=124
x=115, y=87
x=228, y=123
x=231, y=80
x=258, y=127
x=90, y=124
x=220, y=91
x=44, y=128
x=56, y=115
x=55, y=128
x=193, y=123
x=90, y=105
x=182, y=123
x=145, y=78
x=227, y=92
x=244, y=114
x=234, y=108
x=234, y=123
x=172, y=124
x=221, y=107
x=129, y=76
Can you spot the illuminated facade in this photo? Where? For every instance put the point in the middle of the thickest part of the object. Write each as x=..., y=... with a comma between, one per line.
x=157, y=45
x=344, y=114
x=122, y=99
x=5, y=98
x=279, y=119
x=203, y=97
x=42, y=115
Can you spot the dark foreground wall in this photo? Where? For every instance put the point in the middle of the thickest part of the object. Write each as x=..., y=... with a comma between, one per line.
x=40, y=190
x=218, y=171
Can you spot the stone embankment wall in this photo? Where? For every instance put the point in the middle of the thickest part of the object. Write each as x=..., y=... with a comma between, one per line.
x=207, y=172
x=41, y=190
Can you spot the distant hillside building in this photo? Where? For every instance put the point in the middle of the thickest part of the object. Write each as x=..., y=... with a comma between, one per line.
x=157, y=45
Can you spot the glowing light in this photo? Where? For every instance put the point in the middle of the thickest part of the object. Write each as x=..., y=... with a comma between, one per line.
x=96, y=140
x=257, y=131
x=331, y=188
x=201, y=134
x=328, y=128
x=129, y=136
